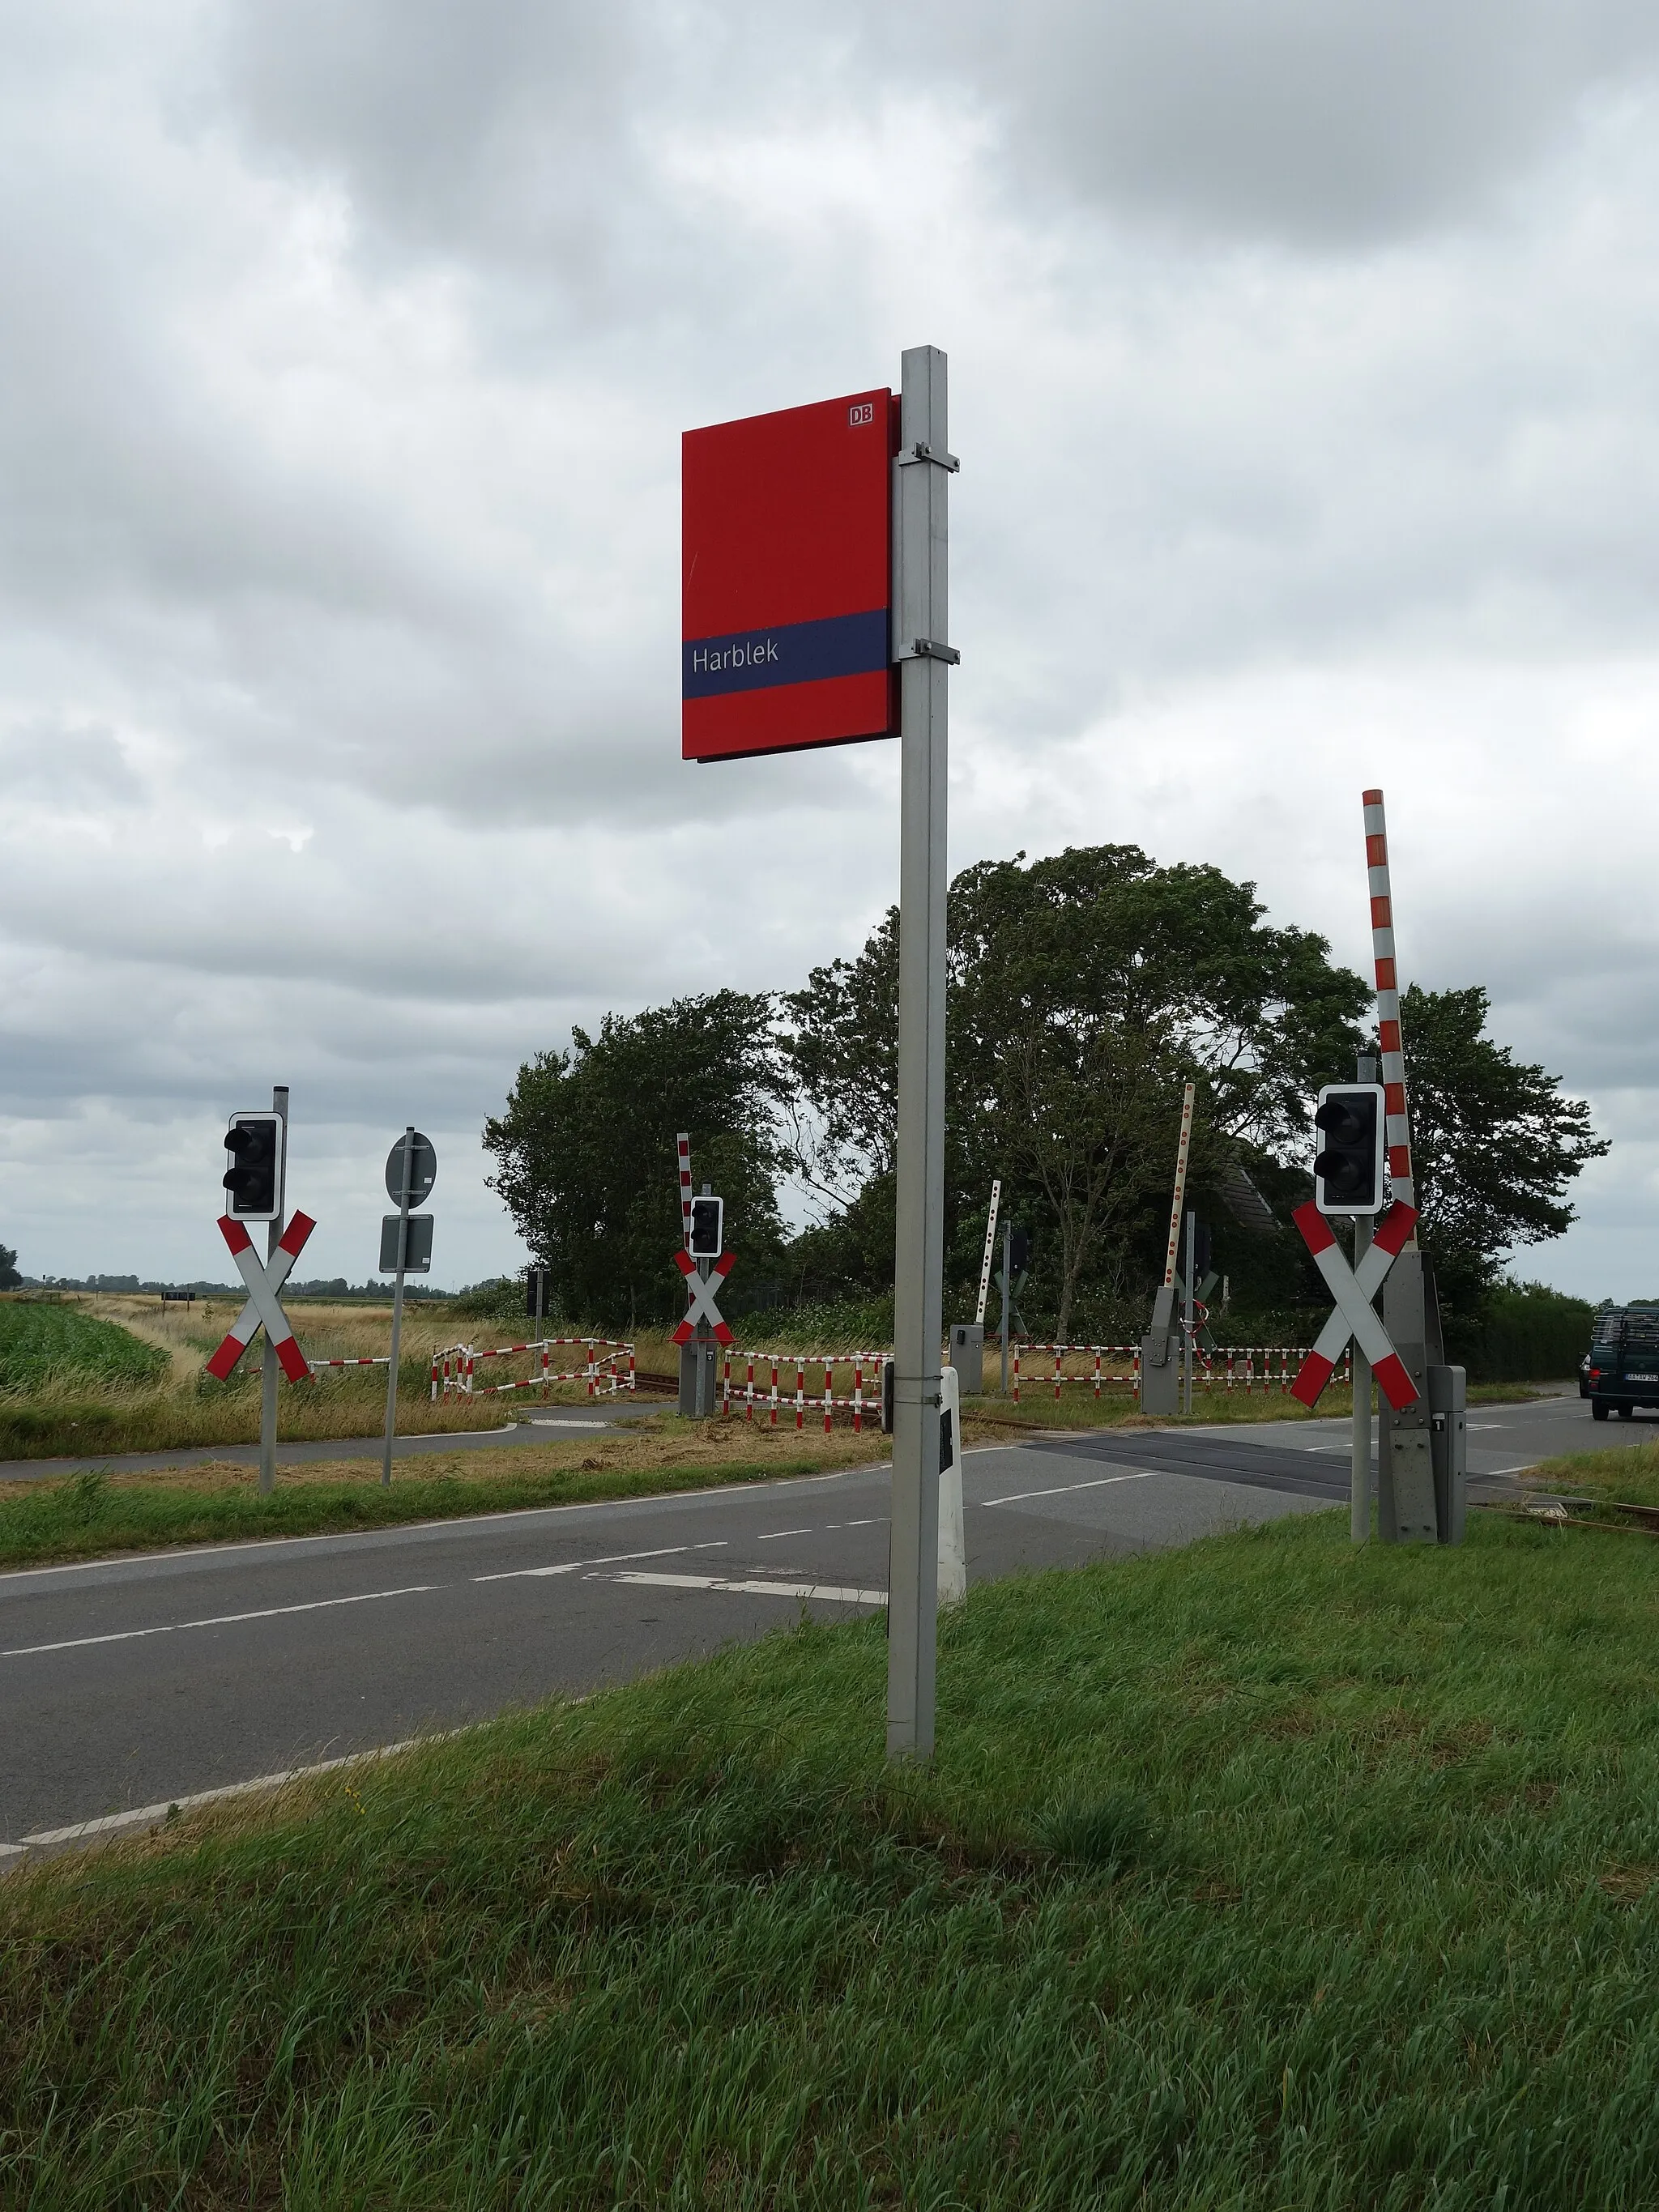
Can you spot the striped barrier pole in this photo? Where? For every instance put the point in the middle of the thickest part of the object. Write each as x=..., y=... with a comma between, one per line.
x=1397, y=1131
x=774, y=1394
x=1015, y=1375
x=857, y=1397
x=800, y=1397
x=828, y=1397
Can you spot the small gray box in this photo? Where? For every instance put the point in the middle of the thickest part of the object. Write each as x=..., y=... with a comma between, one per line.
x=1160, y=1374
x=1448, y=1447
x=417, y=1255
x=967, y=1356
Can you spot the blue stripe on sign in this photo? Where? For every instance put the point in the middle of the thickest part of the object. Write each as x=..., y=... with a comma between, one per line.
x=791, y=652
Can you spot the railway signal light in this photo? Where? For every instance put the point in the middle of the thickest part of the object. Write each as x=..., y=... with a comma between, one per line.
x=1348, y=1168
x=707, y=1227
x=254, y=1180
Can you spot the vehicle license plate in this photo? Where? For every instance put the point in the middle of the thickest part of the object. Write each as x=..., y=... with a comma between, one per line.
x=1642, y=1378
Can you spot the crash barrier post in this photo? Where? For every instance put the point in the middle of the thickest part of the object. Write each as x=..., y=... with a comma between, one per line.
x=863, y=1397
x=454, y=1366
x=1228, y=1367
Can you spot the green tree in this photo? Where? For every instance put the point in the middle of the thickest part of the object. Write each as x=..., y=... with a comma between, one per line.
x=1083, y=989
x=10, y=1277
x=585, y=1149
x=1494, y=1144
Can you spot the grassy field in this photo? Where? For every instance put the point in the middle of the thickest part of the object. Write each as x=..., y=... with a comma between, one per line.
x=91, y=1515
x=162, y=1399
x=42, y=1346
x=1269, y=1874
x=1629, y=1476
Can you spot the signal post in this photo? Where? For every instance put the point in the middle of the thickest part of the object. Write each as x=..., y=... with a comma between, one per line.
x=815, y=605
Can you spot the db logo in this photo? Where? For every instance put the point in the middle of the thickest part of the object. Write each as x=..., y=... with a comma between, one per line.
x=864, y=412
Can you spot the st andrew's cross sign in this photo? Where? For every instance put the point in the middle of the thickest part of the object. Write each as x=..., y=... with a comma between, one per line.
x=263, y=1304
x=1353, y=1289
x=786, y=581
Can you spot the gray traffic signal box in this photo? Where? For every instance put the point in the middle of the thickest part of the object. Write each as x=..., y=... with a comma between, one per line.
x=967, y=1356
x=1160, y=1358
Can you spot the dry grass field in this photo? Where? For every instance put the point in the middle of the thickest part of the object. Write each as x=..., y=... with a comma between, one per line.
x=83, y=1409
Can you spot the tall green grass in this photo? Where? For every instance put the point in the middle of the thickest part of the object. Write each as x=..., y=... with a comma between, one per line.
x=41, y=1344
x=1264, y=1875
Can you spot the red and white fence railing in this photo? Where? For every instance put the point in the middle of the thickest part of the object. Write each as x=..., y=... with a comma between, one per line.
x=609, y=1366
x=774, y=1396
x=1230, y=1367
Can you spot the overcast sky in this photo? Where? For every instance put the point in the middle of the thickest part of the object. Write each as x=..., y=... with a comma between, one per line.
x=1303, y=366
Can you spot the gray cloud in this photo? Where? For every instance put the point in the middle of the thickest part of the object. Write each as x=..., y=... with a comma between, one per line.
x=1303, y=364
x=1287, y=119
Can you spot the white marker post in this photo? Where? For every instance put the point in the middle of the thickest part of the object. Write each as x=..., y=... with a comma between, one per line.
x=921, y=630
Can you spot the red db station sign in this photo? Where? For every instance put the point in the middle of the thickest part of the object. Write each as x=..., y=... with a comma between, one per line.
x=786, y=580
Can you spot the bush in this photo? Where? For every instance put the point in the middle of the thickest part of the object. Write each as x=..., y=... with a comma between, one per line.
x=1524, y=1333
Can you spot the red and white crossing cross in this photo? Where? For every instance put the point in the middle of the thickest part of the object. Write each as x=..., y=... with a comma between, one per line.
x=263, y=1303
x=702, y=1295
x=1353, y=1289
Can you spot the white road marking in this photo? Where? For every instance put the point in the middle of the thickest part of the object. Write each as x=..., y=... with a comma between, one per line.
x=535, y=1423
x=217, y=1620
x=773, y=1535
x=1018, y=1496
x=823, y=1590
x=457, y=1523
x=610, y=1559
x=141, y=1813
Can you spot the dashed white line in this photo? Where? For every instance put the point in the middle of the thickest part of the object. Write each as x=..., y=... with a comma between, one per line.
x=773, y=1535
x=1018, y=1496
x=608, y=1559
x=216, y=1620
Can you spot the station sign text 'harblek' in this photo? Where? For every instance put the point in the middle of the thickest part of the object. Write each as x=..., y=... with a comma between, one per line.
x=787, y=577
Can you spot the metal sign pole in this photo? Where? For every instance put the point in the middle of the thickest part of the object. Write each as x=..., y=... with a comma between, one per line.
x=921, y=630
x=1359, y=1478
x=398, y=1307
x=1192, y=1306
x=1008, y=1294
x=267, y=1371
x=1405, y=1481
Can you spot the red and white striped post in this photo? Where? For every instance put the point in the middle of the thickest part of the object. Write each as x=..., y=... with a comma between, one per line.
x=1397, y=1132
x=1405, y=1479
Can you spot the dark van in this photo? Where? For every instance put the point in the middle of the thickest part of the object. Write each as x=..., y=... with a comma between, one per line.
x=1624, y=1359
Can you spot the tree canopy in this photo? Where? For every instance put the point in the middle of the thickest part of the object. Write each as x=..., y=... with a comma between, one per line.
x=1494, y=1144
x=10, y=1277
x=586, y=1159
x=1085, y=989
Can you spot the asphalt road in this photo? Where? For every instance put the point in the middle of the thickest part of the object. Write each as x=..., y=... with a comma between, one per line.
x=528, y=1429
x=129, y=1684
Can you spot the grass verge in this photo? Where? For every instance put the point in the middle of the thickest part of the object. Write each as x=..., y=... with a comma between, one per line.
x=91, y=1515
x=1629, y=1475
x=1265, y=1874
